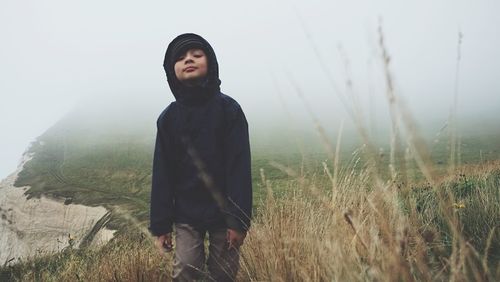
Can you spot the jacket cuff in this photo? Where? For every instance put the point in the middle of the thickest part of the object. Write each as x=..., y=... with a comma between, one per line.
x=235, y=224
x=161, y=230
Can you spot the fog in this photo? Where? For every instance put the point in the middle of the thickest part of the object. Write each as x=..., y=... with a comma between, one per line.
x=106, y=57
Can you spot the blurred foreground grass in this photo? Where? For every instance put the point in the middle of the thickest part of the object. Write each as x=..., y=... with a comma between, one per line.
x=356, y=230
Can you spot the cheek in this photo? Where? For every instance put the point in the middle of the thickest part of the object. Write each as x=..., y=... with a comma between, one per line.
x=177, y=70
x=204, y=66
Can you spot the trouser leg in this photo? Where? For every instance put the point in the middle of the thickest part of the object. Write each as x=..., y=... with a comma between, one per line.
x=222, y=263
x=189, y=253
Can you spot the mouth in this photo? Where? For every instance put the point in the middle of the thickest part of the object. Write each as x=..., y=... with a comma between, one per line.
x=190, y=69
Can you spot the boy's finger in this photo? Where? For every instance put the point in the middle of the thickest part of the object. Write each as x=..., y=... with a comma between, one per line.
x=234, y=243
x=230, y=243
x=159, y=246
x=168, y=246
x=158, y=242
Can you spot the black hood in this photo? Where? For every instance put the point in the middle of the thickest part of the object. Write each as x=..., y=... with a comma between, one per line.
x=210, y=86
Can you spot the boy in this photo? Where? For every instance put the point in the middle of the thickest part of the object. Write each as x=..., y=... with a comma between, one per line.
x=201, y=169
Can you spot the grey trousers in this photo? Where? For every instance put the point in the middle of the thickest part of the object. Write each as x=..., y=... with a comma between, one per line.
x=189, y=261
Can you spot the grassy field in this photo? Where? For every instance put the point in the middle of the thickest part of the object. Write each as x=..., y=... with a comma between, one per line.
x=316, y=218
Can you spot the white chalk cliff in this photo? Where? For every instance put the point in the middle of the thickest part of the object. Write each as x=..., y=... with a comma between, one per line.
x=41, y=226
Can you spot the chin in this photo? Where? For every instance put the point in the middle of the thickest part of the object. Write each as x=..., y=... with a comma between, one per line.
x=193, y=77
x=193, y=80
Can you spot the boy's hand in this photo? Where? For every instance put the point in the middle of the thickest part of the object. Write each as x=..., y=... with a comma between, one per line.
x=164, y=242
x=235, y=238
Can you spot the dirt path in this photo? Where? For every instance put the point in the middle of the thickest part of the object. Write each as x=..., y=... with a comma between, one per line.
x=38, y=226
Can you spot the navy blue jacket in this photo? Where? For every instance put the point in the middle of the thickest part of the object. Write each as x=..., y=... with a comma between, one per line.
x=201, y=164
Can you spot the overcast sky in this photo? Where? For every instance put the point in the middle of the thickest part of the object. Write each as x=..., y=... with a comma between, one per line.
x=57, y=54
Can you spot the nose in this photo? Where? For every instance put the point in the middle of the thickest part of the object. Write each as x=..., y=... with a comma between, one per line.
x=188, y=59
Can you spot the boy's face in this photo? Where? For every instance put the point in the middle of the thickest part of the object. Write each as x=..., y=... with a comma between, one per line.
x=191, y=67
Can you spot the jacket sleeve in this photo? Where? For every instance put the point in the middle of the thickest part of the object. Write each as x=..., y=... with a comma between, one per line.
x=162, y=200
x=238, y=173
